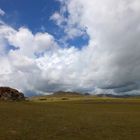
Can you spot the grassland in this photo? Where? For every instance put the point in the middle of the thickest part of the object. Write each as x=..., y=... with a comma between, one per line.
x=79, y=118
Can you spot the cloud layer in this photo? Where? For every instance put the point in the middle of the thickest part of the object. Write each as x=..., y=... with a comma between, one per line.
x=110, y=63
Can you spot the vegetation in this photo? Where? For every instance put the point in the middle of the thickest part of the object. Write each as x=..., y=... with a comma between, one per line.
x=94, y=119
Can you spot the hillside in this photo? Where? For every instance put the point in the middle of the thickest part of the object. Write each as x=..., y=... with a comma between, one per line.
x=68, y=93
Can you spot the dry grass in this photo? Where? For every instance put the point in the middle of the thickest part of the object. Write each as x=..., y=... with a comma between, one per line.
x=98, y=119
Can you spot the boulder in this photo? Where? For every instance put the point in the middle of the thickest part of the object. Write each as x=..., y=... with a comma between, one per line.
x=7, y=93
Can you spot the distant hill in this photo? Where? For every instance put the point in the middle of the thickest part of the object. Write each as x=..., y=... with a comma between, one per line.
x=7, y=93
x=68, y=93
x=117, y=96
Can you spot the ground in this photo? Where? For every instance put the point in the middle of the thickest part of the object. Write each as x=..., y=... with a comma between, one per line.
x=70, y=119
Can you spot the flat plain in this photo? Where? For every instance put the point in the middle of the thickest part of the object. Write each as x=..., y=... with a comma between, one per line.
x=70, y=118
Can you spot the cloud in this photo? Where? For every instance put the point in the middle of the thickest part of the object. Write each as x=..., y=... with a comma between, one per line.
x=69, y=26
x=58, y=18
x=114, y=26
x=2, y=13
x=110, y=63
x=19, y=61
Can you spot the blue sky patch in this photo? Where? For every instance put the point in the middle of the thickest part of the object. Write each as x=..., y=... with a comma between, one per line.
x=35, y=15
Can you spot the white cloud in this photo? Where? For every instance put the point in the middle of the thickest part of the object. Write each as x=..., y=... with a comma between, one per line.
x=114, y=27
x=58, y=18
x=2, y=13
x=21, y=61
x=110, y=63
x=67, y=22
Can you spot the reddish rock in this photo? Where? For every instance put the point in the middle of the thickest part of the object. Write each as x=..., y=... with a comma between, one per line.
x=7, y=93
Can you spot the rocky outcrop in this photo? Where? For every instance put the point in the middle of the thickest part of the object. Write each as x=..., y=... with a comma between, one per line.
x=7, y=93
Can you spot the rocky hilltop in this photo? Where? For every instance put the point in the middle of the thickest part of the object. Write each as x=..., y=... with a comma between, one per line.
x=7, y=93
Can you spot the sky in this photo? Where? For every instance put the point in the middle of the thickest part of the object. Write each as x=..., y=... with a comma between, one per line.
x=71, y=45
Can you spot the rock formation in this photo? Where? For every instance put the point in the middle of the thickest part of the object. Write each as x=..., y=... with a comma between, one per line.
x=7, y=93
